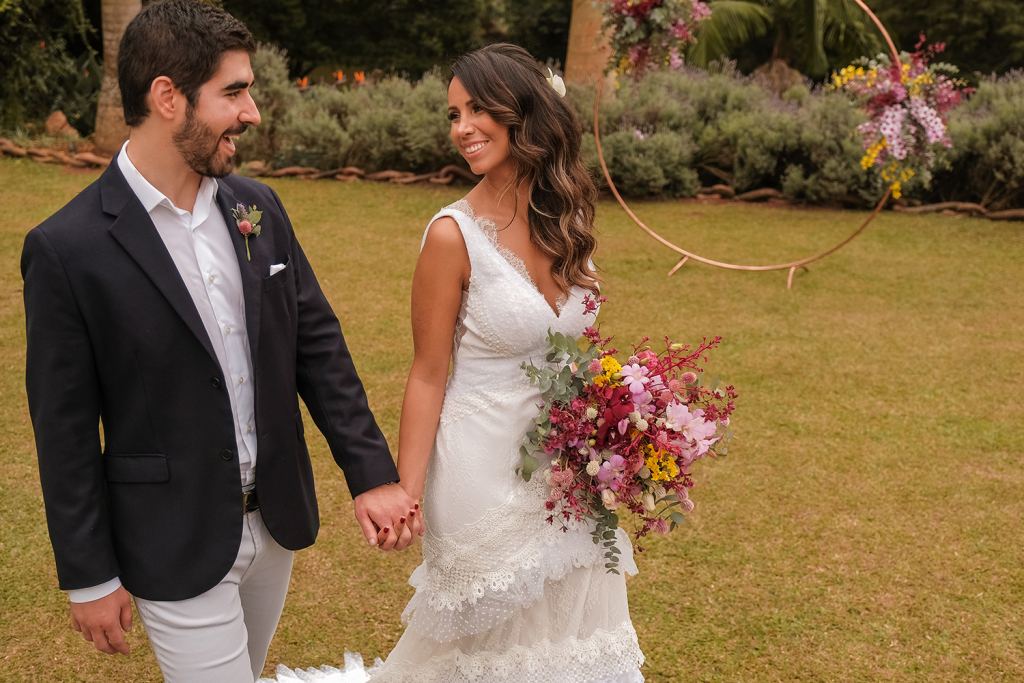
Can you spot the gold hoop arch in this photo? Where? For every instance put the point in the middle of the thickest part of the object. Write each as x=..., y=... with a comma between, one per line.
x=793, y=265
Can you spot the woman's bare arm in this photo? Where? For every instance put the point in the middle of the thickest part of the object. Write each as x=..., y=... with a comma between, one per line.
x=442, y=273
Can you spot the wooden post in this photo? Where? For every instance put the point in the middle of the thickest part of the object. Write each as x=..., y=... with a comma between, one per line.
x=111, y=131
x=588, y=51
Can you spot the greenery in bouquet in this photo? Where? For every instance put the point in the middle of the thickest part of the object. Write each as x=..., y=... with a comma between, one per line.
x=907, y=106
x=620, y=438
x=647, y=34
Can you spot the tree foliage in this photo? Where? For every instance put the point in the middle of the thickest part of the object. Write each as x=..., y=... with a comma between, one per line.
x=986, y=36
x=398, y=36
x=813, y=36
x=38, y=72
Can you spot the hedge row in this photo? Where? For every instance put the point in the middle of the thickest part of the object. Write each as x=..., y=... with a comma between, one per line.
x=665, y=136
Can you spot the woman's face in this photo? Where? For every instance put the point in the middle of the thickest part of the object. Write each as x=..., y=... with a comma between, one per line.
x=481, y=140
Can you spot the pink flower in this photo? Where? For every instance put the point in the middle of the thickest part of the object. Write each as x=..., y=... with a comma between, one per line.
x=699, y=11
x=688, y=378
x=611, y=471
x=635, y=377
x=245, y=227
x=595, y=367
x=687, y=505
x=659, y=525
x=561, y=478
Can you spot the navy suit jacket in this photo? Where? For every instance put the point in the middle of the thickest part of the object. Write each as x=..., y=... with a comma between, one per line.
x=114, y=337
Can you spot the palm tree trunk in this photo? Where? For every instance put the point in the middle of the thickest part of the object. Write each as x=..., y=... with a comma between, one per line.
x=111, y=131
x=588, y=51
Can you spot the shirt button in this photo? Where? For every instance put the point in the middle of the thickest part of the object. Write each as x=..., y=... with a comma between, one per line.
x=248, y=430
x=226, y=454
x=212, y=278
x=215, y=381
x=227, y=330
x=241, y=380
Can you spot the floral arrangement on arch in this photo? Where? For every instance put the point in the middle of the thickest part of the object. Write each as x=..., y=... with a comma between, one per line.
x=907, y=108
x=617, y=438
x=648, y=34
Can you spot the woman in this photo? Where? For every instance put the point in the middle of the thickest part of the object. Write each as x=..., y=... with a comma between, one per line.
x=502, y=595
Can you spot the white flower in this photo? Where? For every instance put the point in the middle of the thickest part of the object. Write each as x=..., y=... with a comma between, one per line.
x=608, y=498
x=642, y=425
x=547, y=477
x=556, y=83
x=648, y=501
x=634, y=417
x=591, y=413
x=593, y=467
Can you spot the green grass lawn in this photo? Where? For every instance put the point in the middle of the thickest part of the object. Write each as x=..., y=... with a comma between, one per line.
x=865, y=526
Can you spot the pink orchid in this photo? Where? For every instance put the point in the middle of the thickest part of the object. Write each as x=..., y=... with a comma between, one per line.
x=635, y=377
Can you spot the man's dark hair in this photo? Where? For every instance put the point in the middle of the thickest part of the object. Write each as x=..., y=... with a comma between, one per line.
x=181, y=39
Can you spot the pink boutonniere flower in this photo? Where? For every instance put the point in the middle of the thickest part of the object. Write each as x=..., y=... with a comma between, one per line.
x=248, y=221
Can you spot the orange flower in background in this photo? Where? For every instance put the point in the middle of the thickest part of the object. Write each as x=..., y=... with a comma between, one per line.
x=303, y=82
x=43, y=44
x=339, y=76
x=360, y=76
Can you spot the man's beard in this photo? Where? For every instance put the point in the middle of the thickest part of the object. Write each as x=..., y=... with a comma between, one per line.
x=199, y=146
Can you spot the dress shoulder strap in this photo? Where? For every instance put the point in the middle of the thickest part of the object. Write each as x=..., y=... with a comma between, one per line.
x=462, y=212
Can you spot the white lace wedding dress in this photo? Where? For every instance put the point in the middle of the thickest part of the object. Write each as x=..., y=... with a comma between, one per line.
x=502, y=595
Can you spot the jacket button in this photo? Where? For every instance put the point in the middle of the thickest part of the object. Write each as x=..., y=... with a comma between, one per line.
x=215, y=381
x=226, y=454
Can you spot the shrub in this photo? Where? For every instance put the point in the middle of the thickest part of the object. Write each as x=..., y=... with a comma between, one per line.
x=662, y=137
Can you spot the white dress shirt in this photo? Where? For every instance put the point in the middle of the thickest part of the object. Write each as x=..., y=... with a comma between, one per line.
x=200, y=246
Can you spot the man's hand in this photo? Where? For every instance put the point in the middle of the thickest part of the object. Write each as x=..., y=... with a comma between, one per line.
x=390, y=518
x=101, y=621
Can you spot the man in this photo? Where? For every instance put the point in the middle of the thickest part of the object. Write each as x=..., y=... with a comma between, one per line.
x=172, y=302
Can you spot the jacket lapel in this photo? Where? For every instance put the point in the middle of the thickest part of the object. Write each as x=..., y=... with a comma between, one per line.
x=134, y=230
x=251, y=270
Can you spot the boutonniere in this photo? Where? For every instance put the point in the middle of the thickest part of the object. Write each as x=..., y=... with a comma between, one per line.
x=248, y=221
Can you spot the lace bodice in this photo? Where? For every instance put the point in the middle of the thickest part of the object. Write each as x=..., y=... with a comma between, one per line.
x=504, y=318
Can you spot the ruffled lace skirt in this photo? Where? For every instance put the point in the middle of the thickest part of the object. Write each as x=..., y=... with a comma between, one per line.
x=502, y=595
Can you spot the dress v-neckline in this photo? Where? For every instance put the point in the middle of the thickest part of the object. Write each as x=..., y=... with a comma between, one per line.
x=511, y=258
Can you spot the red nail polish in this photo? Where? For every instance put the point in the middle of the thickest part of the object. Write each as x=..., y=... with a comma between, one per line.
x=386, y=529
x=412, y=514
x=401, y=520
x=416, y=506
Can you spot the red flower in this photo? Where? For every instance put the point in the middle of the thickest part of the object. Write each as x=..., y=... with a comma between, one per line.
x=245, y=227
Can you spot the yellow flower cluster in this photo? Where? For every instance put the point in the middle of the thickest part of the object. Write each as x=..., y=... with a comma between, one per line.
x=871, y=154
x=610, y=366
x=897, y=176
x=661, y=464
x=853, y=73
x=846, y=75
x=915, y=86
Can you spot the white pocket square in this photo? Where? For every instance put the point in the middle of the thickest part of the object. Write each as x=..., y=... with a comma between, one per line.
x=276, y=268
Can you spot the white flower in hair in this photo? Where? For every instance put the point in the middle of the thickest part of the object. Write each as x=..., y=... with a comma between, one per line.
x=556, y=83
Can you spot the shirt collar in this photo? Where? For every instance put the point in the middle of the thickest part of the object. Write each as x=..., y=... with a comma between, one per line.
x=152, y=197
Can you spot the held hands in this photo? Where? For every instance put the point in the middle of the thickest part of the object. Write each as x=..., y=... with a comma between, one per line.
x=390, y=518
x=101, y=621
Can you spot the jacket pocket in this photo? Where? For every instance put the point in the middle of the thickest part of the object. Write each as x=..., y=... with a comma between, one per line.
x=142, y=468
x=272, y=282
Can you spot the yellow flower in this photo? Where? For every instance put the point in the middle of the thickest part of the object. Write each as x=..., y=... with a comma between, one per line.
x=610, y=365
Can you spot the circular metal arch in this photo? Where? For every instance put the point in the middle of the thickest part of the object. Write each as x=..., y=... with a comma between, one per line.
x=793, y=265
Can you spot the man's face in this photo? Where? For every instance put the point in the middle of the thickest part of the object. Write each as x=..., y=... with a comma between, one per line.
x=224, y=111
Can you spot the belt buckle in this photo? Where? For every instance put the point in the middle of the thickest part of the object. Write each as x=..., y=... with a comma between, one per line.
x=250, y=503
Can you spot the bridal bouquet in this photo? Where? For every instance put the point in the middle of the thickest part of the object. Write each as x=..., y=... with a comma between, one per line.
x=621, y=436
x=650, y=33
x=906, y=108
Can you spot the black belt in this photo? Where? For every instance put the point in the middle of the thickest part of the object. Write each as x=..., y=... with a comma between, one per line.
x=250, y=501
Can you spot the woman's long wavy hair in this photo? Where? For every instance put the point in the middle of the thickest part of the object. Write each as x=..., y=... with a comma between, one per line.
x=544, y=138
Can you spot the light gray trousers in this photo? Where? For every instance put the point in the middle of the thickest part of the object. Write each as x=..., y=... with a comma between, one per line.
x=222, y=636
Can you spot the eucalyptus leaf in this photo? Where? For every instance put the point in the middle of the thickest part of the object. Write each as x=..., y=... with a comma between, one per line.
x=677, y=517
